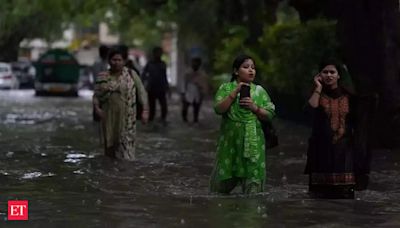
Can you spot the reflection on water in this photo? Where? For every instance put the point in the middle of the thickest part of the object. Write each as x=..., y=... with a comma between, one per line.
x=51, y=156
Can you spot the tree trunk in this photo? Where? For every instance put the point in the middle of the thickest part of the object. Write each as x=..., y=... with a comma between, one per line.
x=368, y=33
x=9, y=49
x=256, y=15
x=310, y=9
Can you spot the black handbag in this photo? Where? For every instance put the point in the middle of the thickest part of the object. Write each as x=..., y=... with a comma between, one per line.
x=271, y=138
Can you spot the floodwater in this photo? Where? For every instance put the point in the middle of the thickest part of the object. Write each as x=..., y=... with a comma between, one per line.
x=50, y=155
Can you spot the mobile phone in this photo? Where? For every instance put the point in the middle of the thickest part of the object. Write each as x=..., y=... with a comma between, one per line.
x=244, y=91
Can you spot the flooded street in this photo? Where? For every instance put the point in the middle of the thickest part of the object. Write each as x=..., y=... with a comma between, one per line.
x=50, y=155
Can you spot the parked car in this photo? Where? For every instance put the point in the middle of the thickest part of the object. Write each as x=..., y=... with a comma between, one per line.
x=8, y=80
x=25, y=72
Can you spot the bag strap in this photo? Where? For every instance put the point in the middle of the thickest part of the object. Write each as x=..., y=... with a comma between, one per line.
x=132, y=76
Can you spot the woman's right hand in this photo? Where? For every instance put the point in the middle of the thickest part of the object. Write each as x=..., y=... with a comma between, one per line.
x=237, y=89
x=239, y=85
x=317, y=82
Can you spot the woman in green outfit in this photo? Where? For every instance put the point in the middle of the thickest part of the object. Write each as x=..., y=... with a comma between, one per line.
x=240, y=151
x=115, y=101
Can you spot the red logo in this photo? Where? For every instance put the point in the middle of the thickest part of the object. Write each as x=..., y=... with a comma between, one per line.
x=18, y=210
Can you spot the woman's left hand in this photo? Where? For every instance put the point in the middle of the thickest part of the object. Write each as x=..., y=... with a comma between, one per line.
x=248, y=103
x=145, y=116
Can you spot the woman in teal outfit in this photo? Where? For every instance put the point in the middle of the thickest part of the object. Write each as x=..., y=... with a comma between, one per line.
x=240, y=156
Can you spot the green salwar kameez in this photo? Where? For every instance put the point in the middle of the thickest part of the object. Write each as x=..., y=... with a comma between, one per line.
x=240, y=155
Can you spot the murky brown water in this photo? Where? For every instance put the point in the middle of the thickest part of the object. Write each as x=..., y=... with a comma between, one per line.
x=50, y=156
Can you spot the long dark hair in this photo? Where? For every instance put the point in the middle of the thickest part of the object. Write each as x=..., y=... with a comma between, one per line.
x=345, y=82
x=113, y=52
x=239, y=60
x=338, y=65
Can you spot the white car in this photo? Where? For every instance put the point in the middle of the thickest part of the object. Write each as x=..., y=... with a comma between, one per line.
x=8, y=80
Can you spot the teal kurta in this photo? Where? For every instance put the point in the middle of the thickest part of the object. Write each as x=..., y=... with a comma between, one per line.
x=241, y=144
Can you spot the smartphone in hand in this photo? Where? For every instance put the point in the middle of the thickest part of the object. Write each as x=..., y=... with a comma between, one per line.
x=244, y=91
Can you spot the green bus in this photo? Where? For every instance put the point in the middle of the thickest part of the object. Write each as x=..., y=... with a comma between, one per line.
x=57, y=72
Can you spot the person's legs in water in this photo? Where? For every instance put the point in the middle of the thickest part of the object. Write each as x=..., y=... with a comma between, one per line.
x=362, y=181
x=110, y=151
x=185, y=107
x=331, y=192
x=152, y=106
x=324, y=191
x=226, y=186
x=251, y=187
x=164, y=107
x=196, y=111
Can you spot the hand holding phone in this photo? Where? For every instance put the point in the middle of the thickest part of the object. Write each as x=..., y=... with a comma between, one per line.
x=318, y=81
x=244, y=91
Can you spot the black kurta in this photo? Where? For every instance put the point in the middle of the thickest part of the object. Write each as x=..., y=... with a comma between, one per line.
x=330, y=156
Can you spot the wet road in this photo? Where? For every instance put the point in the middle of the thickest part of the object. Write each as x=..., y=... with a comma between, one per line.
x=50, y=155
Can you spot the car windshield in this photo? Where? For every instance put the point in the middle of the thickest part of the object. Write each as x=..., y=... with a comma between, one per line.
x=3, y=69
x=16, y=67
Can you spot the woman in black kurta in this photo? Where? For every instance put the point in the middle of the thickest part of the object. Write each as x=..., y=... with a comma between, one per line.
x=330, y=156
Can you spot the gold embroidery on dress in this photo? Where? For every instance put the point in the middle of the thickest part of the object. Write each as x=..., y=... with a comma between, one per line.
x=337, y=110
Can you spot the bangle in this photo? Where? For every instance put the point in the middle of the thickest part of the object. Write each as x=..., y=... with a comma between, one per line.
x=257, y=110
x=317, y=92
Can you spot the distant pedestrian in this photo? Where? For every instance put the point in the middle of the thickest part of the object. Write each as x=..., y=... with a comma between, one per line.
x=100, y=65
x=193, y=89
x=155, y=78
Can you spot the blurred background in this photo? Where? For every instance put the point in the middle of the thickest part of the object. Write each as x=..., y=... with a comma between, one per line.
x=288, y=38
x=50, y=145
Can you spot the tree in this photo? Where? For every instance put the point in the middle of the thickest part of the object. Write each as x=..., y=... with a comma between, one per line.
x=368, y=32
x=20, y=19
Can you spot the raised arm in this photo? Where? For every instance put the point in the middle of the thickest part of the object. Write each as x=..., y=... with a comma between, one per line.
x=225, y=98
x=314, y=99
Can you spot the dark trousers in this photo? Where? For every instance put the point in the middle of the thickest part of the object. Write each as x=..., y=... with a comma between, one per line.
x=162, y=99
x=196, y=110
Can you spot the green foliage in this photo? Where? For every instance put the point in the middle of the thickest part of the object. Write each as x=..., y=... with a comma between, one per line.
x=22, y=18
x=294, y=52
x=217, y=80
x=229, y=47
x=286, y=14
